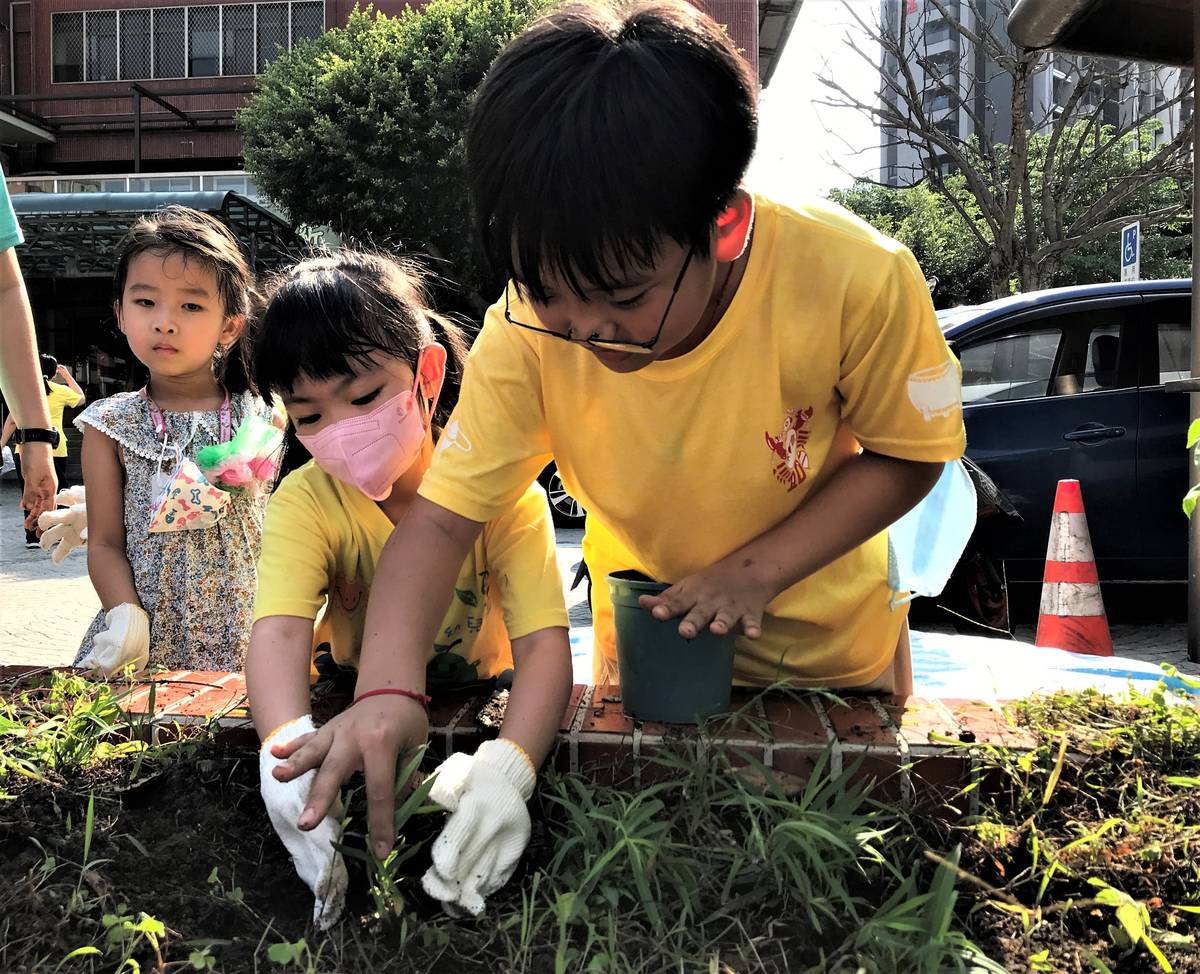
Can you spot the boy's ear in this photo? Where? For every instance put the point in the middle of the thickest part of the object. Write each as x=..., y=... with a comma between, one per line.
x=733, y=227
x=117, y=315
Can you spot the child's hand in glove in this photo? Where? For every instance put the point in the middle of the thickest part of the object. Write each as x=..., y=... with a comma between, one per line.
x=125, y=640
x=317, y=862
x=64, y=530
x=489, y=826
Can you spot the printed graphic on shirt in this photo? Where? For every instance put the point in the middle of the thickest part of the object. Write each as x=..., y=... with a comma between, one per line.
x=453, y=436
x=348, y=594
x=936, y=391
x=788, y=446
x=447, y=668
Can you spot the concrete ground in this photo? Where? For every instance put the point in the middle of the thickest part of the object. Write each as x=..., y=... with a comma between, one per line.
x=46, y=608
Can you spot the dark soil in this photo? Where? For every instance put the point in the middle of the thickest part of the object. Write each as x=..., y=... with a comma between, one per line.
x=154, y=848
x=188, y=842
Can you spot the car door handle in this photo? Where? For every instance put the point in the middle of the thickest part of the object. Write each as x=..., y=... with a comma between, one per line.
x=1094, y=431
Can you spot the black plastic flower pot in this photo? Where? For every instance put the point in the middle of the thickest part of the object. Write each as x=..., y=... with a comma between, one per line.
x=665, y=677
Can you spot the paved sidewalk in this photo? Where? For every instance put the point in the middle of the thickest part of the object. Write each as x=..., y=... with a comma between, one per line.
x=45, y=608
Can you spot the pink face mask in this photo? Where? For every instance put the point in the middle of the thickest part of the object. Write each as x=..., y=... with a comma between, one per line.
x=371, y=452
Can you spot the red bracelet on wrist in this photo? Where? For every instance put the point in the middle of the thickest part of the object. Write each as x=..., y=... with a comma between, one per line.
x=421, y=698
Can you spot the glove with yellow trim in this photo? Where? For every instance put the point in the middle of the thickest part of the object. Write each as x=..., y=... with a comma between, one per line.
x=488, y=828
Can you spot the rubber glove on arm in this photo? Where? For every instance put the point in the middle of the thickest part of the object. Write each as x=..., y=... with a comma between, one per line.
x=317, y=862
x=65, y=529
x=489, y=827
x=125, y=640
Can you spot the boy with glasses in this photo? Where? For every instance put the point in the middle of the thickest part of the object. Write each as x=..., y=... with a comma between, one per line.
x=743, y=395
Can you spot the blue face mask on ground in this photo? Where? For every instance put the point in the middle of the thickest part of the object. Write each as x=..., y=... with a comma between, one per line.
x=926, y=543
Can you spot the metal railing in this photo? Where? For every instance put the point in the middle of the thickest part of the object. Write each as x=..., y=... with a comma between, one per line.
x=160, y=182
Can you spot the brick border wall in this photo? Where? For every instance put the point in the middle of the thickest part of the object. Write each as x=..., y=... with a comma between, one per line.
x=913, y=747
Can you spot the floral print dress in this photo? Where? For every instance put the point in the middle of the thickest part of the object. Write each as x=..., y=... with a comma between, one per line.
x=197, y=586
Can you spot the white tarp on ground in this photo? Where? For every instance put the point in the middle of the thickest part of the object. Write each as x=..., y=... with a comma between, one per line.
x=947, y=665
x=975, y=668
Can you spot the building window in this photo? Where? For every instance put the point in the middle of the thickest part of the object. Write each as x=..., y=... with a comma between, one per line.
x=135, y=45
x=68, y=48
x=237, y=40
x=198, y=41
x=100, y=37
x=272, y=31
x=170, y=42
x=308, y=20
x=204, y=42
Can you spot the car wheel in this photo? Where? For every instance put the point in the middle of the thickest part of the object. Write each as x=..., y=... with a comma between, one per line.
x=565, y=509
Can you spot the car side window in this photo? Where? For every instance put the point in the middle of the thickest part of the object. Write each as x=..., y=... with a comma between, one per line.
x=1171, y=317
x=1009, y=367
x=1098, y=353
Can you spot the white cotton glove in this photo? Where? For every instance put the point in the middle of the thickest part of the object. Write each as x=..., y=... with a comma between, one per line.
x=65, y=530
x=317, y=862
x=125, y=640
x=70, y=496
x=489, y=826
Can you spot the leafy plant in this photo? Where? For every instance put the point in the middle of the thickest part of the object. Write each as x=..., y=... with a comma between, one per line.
x=1193, y=444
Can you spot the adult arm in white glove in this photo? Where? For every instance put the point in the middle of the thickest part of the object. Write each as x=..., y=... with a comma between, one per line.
x=484, y=837
x=65, y=529
x=317, y=862
x=125, y=640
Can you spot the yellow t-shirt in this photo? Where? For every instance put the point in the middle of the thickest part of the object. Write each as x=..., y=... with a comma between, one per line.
x=830, y=342
x=59, y=398
x=322, y=541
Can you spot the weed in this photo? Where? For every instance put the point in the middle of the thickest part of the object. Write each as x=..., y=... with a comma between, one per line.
x=1081, y=856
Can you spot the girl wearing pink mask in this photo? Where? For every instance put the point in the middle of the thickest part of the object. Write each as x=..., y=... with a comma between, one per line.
x=369, y=374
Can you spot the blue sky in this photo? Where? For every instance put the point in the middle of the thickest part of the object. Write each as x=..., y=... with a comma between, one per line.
x=796, y=156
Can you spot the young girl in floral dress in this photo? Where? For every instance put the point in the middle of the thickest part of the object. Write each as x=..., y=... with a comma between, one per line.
x=177, y=588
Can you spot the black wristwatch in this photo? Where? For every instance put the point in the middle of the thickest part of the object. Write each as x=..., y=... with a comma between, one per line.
x=33, y=435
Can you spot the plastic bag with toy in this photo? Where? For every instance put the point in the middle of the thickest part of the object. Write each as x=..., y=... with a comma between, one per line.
x=247, y=462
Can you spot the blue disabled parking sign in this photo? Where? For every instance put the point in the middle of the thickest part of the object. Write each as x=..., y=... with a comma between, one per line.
x=1131, y=252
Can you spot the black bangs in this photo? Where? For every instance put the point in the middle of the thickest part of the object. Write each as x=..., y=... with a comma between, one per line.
x=595, y=138
x=321, y=322
x=326, y=316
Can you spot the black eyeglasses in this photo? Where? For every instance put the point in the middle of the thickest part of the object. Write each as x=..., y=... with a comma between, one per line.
x=608, y=344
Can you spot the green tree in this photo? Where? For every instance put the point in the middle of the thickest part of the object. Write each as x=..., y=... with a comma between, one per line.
x=944, y=228
x=362, y=129
x=932, y=229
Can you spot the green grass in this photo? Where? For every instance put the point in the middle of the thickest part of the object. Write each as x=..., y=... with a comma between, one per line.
x=1081, y=856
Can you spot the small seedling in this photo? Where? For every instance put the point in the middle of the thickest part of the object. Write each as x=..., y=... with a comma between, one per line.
x=232, y=894
x=295, y=955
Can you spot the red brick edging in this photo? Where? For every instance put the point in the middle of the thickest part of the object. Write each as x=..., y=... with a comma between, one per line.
x=911, y=746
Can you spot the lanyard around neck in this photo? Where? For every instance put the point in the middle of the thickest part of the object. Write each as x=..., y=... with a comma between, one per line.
x=160, y=421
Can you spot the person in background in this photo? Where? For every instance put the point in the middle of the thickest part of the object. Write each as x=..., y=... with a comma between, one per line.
x=59, y=395
x=20, y=383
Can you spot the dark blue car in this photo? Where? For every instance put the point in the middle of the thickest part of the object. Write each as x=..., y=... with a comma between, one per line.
x=1068, y=383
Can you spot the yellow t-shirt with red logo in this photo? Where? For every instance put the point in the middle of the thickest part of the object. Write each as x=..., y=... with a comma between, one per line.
x=322, y=540
x=830, y=342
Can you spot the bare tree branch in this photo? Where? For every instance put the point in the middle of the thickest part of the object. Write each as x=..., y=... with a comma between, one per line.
x=1027, y=228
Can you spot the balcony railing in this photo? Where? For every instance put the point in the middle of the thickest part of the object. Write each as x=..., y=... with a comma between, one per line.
x=231, y=181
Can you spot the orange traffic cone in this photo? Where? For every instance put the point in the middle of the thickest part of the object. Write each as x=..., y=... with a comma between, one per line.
x=1072, y=614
